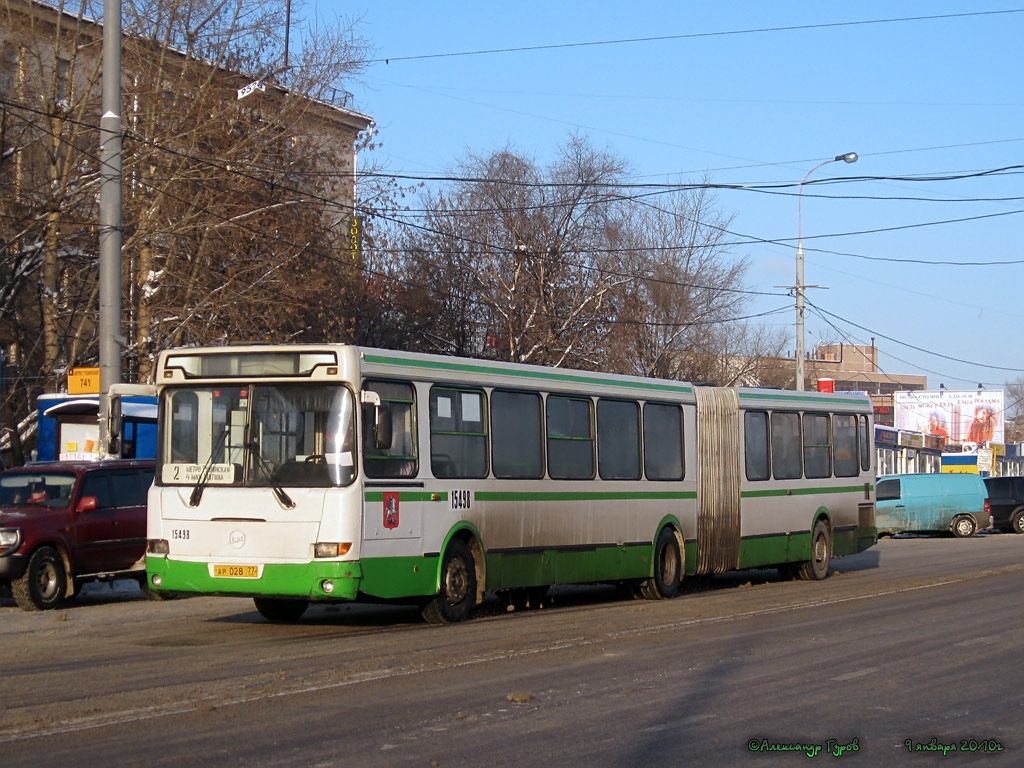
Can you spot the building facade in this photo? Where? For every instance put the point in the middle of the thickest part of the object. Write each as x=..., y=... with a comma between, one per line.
x=854, y=368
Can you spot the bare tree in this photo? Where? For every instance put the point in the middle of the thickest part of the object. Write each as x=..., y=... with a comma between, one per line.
x=561, y=266
x=680, y=317
x=229, y=205
x=208, y=266
x=520, y=251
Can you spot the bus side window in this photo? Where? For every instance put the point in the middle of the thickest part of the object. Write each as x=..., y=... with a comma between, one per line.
x=786, y=445
x=755, y=445
x=817, y=445
x=517, y=435
x=663, y=441
x=866, y=444
x=618, y=439
x=401, y=459
x=570, y=428
x=845, y=459
x=458, y=432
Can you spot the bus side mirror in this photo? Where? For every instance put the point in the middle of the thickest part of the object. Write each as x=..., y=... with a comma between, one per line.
x=382, y=428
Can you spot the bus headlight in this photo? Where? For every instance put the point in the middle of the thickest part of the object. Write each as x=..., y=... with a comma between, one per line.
x=331, y=548
x=158, y=547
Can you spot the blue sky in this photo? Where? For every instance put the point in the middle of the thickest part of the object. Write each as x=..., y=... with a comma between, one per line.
x=921, y=98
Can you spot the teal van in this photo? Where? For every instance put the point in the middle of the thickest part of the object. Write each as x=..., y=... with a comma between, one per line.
x=939, y=503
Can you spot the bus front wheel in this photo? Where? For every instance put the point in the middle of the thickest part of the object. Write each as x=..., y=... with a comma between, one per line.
x=668, y=568
x=456, y=599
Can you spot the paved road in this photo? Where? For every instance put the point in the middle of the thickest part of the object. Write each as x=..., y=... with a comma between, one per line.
x=916, y=641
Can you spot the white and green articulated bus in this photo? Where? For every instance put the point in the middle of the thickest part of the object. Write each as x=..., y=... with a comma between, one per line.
x=333, y=473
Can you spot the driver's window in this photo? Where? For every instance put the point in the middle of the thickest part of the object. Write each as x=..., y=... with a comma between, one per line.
x=96, y=485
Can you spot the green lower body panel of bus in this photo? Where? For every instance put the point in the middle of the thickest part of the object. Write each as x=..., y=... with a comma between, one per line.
x=383, y=578
x=573, y=565
x=764, y=551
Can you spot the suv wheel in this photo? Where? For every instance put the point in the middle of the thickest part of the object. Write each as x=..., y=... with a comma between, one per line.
x=1017, y=521
x=44, y=582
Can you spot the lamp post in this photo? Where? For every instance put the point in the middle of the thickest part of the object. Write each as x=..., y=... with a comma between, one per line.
x=849, y=157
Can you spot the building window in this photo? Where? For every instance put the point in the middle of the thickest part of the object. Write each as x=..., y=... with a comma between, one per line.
x=62, y=83
x=9, y=72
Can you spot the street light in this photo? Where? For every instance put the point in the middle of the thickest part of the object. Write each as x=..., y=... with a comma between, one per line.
x=849, y=157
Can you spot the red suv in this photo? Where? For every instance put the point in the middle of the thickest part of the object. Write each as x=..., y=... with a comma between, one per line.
x=65, y=523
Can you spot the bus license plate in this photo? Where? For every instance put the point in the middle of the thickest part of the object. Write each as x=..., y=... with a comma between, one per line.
x=236, y=572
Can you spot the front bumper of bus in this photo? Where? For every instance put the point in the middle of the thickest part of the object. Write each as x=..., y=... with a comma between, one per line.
x=322, y=581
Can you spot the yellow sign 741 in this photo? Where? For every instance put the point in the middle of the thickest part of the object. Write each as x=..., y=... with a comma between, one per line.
x=84, y=381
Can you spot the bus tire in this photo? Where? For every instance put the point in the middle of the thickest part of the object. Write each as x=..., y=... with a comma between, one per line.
x=44, y=582
x=456, y=598
x=668, y=568
x=964, y=527
x=280, y=611
x=817, y=567
x=1017, y=521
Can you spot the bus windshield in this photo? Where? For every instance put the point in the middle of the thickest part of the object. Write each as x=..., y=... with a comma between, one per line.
x=260, y=435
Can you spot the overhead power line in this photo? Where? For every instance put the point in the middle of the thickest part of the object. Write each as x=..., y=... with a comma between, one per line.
x=300, y=247
x=911, y=346
x=690, y=36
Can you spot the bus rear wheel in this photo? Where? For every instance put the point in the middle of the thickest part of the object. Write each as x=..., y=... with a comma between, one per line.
x=456, y=599
x=276, y=610
x=817, y=567
x=668, y=568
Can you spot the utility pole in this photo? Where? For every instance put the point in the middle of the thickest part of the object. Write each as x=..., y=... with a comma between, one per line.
x=849, y=157
x=110, y=338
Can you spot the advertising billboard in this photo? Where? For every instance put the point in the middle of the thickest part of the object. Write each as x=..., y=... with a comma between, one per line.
x=962, y=417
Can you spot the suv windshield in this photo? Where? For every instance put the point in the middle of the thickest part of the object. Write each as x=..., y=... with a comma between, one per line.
x=260, y=435
x=25, y=489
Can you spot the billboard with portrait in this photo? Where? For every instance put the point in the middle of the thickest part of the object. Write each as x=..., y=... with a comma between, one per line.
x=962, y=417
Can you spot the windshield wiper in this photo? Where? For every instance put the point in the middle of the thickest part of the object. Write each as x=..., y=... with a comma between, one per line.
x=204, y=475
x=268, y=471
